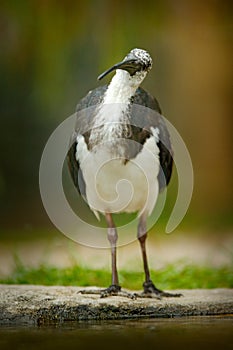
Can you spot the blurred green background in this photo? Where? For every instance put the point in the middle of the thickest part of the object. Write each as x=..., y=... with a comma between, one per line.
x=51, y=54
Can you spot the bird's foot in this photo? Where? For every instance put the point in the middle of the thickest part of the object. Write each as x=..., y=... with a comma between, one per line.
x=150, y=291
x=116, y=290
x=110, y=291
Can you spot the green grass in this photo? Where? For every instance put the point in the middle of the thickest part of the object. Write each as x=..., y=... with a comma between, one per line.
x=177, y=276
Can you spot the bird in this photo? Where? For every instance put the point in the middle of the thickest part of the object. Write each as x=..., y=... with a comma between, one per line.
x=121, y=156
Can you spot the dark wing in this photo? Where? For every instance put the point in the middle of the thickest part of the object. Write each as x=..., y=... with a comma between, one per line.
x=146, y=120
x=140, y=132
x=93, y=98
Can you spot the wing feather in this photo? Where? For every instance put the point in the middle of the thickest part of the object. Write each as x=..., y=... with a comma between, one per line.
x=138, y=134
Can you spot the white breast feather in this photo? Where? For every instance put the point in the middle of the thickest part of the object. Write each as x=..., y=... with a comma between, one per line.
x=112, y=186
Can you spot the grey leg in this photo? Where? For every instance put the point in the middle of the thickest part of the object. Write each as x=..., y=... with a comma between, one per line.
x=112, y=237
x=114, y=288
x=142, y=236
x=149, y=288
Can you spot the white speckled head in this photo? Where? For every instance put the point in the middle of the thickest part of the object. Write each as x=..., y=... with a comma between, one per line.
x=142, y=56
x=136, y=61
x=130, y=73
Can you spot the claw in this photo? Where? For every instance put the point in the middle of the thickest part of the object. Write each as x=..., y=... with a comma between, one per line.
x=112, y=290
x=150, y=290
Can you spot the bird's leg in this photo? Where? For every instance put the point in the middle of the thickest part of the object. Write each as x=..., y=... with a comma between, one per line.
x=142, y=236
x=149, y=288
x=114, y=288
x=112, y=237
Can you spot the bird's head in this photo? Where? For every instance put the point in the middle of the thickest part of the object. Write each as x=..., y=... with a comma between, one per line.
x=137, y=61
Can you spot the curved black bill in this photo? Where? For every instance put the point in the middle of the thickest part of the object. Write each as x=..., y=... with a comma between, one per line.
x=130, y=65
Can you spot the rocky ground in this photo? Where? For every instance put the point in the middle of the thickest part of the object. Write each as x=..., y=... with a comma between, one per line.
x=27, y=304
